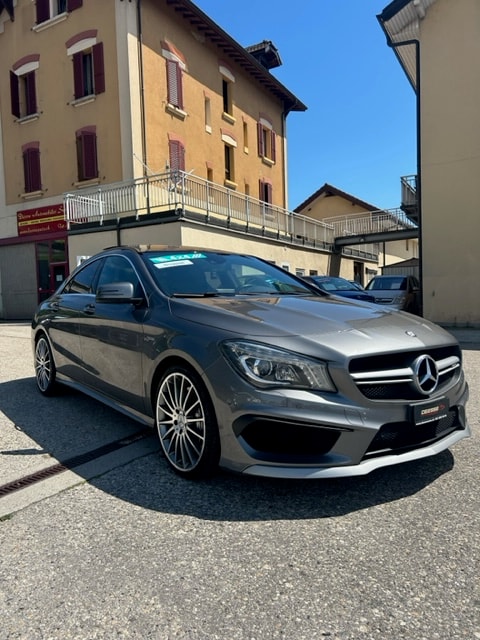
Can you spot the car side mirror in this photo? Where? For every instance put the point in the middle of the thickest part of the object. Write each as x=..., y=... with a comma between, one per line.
x=116, y=292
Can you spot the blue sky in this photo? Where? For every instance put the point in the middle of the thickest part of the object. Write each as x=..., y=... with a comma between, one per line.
x=359, y=131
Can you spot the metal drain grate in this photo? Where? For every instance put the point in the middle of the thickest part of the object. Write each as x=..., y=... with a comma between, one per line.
x=71, y=463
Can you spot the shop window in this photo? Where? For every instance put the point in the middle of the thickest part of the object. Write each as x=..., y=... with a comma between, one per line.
x=87, y=154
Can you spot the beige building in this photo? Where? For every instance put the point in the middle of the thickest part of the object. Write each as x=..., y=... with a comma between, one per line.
x=96, y=93
x=140, y=122
x=437, y=43
x=341, y=209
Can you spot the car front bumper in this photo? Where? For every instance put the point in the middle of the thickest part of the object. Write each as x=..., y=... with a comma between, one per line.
x=300, y=434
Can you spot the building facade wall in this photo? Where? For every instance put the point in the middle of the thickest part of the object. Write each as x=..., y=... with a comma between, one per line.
x=204, y=67
x=131, y=118
x=330, y=206
x=450, y=160
x=294, y=259
x=18, y=290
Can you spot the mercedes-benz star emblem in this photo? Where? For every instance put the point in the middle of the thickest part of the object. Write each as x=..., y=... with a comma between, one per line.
x=425, y=374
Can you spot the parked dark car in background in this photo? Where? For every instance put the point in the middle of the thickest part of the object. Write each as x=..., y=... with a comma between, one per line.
x=399, y=292
x=240, y=364
x=339, y=287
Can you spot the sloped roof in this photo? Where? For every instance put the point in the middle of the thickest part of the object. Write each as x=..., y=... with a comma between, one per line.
x=400, y=20
x=205, y=25
x=330, y=190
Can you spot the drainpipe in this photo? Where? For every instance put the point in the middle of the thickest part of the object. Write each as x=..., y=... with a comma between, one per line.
x=142, y=101
x=142, y=85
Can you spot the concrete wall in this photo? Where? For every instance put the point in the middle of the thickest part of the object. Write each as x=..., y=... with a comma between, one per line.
x=450, y=166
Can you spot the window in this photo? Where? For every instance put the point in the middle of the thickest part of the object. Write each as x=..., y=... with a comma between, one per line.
x=31, y=167
x=48, y=9
x=266, y=140
x=174, y=84
x=265, y=191
x=229, y=165
x=208, y=115
x=88, y=71
x=118, y=269
x=87, y=153
x=227, y=97
x=228, y=80
x=22, y=88
x=83, y=281
x=176, y=152
x=245, y=137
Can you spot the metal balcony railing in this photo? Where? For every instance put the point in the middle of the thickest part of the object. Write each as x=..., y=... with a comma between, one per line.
x=409, y=191
x=188, y=196
x=368, y=222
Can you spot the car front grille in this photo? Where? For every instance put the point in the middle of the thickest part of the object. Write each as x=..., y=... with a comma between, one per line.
x=400, y=436
x=391, y=376
x=283, y=441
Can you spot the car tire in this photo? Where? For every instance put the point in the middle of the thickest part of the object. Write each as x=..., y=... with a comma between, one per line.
x=45, y=370
x=186, y=423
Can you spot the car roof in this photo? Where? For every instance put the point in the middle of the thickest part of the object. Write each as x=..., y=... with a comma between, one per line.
x=141, y=248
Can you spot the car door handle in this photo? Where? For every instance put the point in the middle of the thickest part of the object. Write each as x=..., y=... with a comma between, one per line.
x=89, y=309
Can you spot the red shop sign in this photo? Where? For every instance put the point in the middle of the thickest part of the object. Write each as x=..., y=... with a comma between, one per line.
x=41, y=220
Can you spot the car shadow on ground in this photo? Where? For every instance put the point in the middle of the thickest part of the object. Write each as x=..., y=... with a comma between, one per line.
x=71, y=423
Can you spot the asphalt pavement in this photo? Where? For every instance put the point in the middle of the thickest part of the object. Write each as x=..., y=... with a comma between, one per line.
x=101, y=540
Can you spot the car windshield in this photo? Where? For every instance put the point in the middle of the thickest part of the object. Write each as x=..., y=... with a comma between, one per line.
x=205, y=273
x=334, y=284
x=387, y=282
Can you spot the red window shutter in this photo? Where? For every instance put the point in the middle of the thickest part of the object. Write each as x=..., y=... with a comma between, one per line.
x=30, y=93
x=261, y=150
x=43, y=10
x=274, y=146
x=174, y=84
x=176, y=155
x=74, y=4
x=98, y=68
x=31, y=169
x=78, y=75
x=87, y=155
x=14, y=94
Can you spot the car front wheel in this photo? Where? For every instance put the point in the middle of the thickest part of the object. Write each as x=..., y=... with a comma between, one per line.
x=45, y=372
x=186, y=423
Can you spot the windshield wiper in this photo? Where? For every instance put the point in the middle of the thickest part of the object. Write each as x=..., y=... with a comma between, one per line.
x=204, y=294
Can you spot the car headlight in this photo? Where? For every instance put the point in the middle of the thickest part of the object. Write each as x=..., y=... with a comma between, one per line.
x=399, y=300
x=269, y=367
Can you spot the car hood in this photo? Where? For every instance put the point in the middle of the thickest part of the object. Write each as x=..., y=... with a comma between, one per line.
x=386, y=293
x=356, y=295
x=347, y=326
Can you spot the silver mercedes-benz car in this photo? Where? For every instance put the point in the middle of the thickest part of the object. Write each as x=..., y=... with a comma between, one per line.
x=239, y=364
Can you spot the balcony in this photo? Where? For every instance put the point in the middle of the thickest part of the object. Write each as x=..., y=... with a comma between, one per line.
x=409, y=197
x=174, y=196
